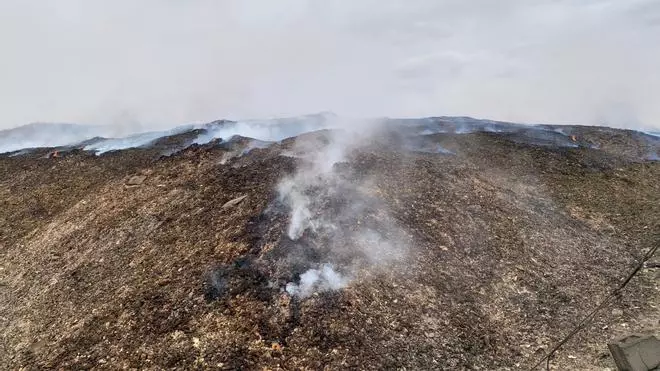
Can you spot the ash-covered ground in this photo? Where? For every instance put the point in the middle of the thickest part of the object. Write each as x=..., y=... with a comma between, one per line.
x=322, y=243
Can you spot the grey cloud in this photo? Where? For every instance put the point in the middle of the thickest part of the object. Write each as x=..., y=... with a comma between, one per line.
x=154, y=64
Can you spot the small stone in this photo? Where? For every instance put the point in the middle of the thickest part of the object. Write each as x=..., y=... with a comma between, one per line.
x=136, y=180
x=234, y=202
x=38, y=347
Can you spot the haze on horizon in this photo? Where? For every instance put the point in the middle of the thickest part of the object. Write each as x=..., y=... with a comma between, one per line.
x=154, y=64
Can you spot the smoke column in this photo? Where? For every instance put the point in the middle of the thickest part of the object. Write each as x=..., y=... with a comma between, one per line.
x=335, y=213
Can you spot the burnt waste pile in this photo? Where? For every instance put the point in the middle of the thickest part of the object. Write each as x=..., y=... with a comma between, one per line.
x=421, y=135
x=324, y=228
x=321, y=242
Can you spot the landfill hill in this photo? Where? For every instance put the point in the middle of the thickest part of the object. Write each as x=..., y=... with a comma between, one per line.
x=440, y=243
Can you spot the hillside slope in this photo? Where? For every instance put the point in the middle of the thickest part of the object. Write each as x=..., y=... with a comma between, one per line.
x=439, y=250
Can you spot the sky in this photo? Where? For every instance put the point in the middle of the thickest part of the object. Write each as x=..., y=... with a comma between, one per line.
x=158, y=63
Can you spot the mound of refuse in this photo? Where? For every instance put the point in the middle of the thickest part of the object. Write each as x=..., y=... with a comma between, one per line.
x=320, y=242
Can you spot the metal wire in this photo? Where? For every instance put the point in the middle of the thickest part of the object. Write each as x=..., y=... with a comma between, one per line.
x=592, y=314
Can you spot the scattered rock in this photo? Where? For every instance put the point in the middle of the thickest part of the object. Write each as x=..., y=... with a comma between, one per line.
x=234, y=202
x=136, y=180
x=617, y=312
x=38, y=347
x=636, y=353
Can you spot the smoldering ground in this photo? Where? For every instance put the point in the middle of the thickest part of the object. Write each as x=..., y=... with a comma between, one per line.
x=496, y=227
x=332, y=223
x=326, y=221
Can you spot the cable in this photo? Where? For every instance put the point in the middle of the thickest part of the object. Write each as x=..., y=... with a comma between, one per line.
x=591, y=315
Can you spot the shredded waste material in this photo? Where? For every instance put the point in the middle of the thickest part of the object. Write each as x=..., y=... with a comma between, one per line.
x=315, y=253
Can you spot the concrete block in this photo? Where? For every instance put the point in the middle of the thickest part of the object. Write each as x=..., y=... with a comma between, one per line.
x=636, y=353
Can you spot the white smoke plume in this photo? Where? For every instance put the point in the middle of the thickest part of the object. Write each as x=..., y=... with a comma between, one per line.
x=47, y=135
x=133, y=141
x=266, y=130
x=317, y=280
x=343, y=235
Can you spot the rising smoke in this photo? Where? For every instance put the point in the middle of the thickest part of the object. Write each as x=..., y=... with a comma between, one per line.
x=317, y=280
x=334, y=213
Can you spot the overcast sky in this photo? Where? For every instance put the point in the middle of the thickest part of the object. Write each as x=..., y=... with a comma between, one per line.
x=164, y=62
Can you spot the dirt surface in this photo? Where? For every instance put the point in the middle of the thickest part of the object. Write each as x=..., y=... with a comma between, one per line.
x=130, y=260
